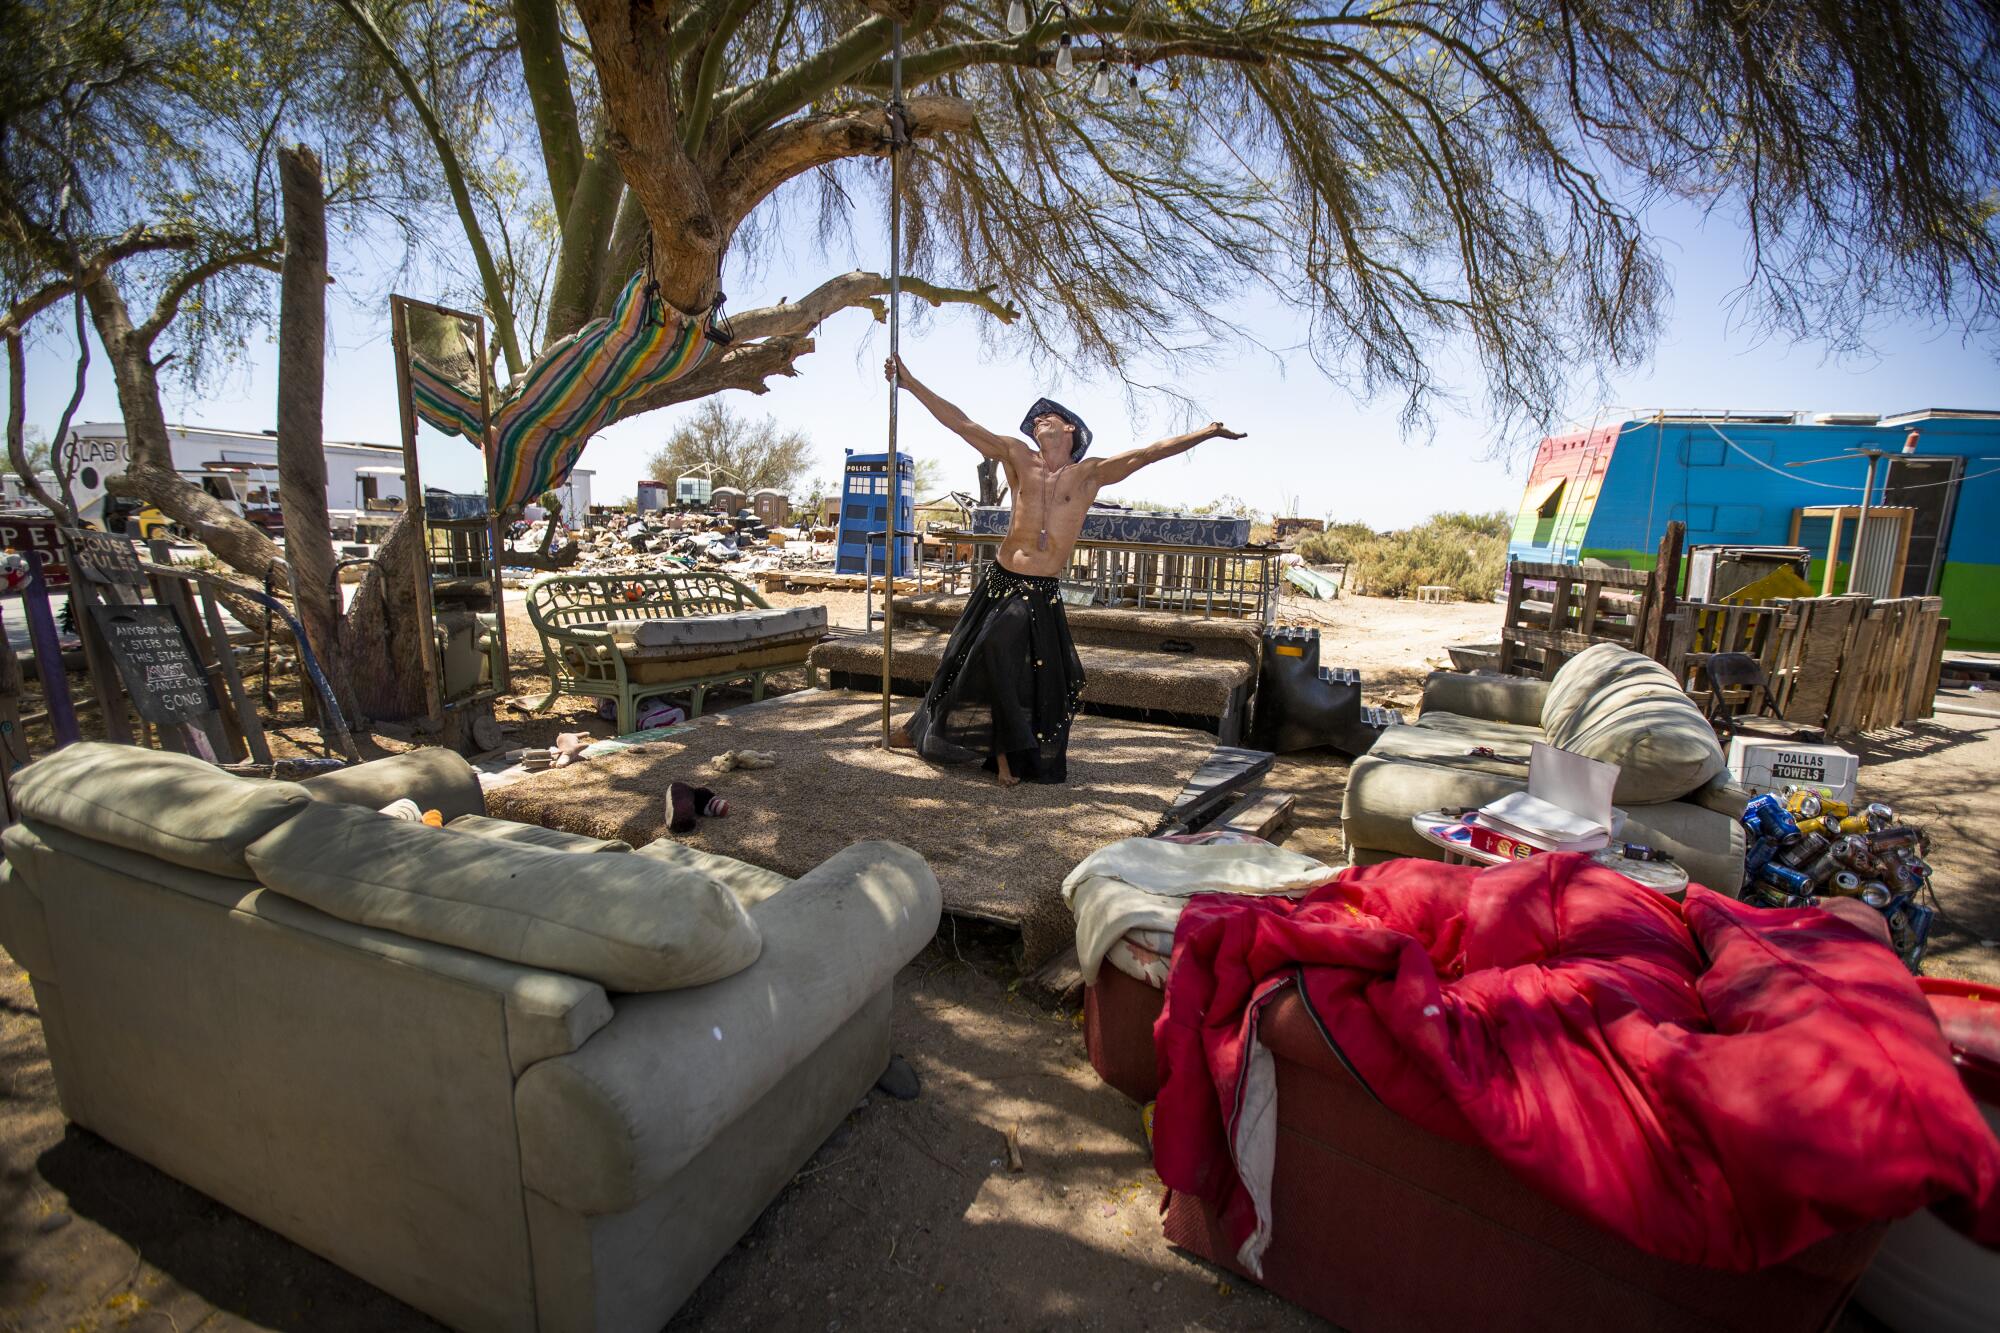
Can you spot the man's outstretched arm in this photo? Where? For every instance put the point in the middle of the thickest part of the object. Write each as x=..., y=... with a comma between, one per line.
x=1117, y=467
x=951, y=417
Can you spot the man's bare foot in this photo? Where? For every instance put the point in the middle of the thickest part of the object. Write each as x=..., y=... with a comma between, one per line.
x=1005, y=774
x=899, y=739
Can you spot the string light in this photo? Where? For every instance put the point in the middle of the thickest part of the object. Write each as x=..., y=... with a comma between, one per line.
x=1133, y=97
x=1017, y=18
x=1065, y=62
x=1100, y=87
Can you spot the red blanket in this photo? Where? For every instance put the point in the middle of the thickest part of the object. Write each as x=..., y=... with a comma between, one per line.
x=1718, y=1084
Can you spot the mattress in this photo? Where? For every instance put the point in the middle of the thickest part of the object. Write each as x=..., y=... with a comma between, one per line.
x=1223, y=532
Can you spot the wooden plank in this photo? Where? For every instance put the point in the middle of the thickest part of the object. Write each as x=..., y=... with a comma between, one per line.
x=1850, y=686
x=1228, y=771
x=246, y=708
x=1937, y=666
x=1664, y=590
x=1259, y=813
x=224, y=736
x=106, y=688
x=1586, y=618
x=1555, y=655
x=1517, y=587
x=1614, y=578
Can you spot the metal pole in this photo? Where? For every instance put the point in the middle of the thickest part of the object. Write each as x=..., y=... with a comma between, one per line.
x=1861, y=521
x=896, y=140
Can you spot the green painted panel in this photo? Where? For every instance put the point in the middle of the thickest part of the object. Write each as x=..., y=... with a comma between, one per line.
x=1972, y=599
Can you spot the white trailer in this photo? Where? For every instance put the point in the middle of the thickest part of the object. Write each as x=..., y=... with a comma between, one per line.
x=355, y=472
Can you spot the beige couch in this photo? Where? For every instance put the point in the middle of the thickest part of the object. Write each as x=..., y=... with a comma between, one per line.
x=517, y=1087
x=1606, y=702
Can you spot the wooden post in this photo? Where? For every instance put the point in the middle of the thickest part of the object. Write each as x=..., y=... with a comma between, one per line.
x=1665, y=592
x=48, y=656
x=1832, y=553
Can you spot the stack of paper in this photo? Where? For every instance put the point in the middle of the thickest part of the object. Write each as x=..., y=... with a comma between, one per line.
x=1546, y=825
x=1567, y=808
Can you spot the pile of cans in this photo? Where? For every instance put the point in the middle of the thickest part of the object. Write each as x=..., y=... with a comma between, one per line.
x=1804, y=846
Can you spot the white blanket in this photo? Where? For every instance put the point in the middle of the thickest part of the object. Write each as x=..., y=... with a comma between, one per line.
x=1142, y=883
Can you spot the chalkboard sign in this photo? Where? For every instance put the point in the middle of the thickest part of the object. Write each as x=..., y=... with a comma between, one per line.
x=104, y=558
x=156, y=663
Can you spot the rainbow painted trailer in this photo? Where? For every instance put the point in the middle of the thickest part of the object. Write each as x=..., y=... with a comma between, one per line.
x=1608, y=492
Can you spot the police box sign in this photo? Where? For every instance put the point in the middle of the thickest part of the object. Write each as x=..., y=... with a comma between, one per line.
x=155, y=662
x=1767, y=765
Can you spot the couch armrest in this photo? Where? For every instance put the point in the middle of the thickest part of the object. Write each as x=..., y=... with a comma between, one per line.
x=609, y=1124
x=1514, y=699
x=434, y=777
x=24, y=927
x=1721, y=795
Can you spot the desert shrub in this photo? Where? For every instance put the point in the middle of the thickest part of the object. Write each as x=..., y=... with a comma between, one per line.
x=1467, y=552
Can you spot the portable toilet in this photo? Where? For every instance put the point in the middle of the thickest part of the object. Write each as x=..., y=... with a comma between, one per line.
x=726, y=499
x=864, y=509
x=771, y=505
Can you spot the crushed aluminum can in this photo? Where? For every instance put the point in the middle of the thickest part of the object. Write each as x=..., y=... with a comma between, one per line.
x=1786, y=880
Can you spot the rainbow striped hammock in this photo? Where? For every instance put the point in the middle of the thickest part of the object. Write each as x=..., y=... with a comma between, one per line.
x=546, y=416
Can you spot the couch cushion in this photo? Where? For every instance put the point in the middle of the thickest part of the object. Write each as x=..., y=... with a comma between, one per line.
x=533, y=835
x=432, y=776
x=173, y=806
x=751, y=884
x=731, y=629
x=1612, y=704
x=627, y=923
x=1509, y=737
x=1447, y=749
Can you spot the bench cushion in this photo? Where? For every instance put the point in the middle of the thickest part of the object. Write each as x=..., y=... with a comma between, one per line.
x=625, y=922
x=172, y=806
x=732, y=630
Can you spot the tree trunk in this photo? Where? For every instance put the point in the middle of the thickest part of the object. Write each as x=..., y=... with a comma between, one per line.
x=235, y=541
x=301, y=392
x=379, y=637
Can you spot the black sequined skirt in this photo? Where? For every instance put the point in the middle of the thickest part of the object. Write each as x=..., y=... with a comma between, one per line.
x=1008, y=684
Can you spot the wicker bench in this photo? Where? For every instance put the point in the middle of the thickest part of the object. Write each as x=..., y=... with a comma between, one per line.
x=630, y=637
x=1124, y=666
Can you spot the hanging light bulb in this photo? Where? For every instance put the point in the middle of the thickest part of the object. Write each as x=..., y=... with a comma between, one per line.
x=1132, y=97
x=1100, y=87
x=1065, y=62
x=1017, y=18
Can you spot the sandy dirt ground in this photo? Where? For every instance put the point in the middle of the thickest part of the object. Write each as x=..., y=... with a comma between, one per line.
x=908, y=1217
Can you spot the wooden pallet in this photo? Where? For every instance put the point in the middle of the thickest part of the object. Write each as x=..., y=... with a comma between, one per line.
x=1589, y=604
x=1849, y=664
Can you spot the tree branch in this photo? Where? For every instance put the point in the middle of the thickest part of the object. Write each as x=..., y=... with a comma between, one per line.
x=702, y=105
x=545, y=69
x=17, y=430
x=454, y=175
x=859, y=289
x=744, y=366
x=169, y=304
x=798, y=146
x=635, y=70
x=136, y=241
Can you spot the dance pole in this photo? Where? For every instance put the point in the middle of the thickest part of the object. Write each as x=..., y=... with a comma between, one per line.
x=896, y=139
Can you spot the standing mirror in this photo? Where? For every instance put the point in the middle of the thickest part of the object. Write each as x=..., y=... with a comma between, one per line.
x=444, y=386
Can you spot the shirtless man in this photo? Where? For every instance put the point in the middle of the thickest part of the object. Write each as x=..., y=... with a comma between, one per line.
x=1008, y=685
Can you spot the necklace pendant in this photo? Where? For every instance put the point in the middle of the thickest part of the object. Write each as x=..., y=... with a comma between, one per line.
x=1042, y=540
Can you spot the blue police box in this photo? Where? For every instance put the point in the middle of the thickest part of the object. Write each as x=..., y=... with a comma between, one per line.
x=864, y=510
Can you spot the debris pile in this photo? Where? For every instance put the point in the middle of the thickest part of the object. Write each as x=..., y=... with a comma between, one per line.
x=625, y=543
x=1805, y=846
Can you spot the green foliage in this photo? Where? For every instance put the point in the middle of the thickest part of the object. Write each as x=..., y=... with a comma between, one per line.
x=732, y=450
x=1467, y=552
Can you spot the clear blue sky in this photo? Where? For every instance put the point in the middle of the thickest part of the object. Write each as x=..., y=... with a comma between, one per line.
x=1307, y=438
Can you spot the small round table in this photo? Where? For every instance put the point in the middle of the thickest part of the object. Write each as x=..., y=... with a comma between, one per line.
x=1450, y=834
